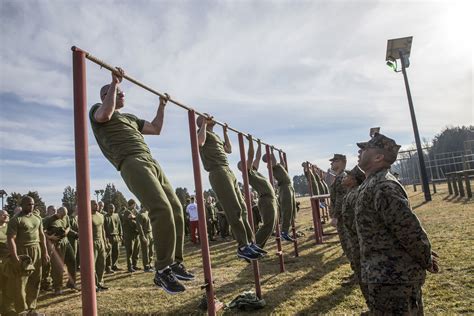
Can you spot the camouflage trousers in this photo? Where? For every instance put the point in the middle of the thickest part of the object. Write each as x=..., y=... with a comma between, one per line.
x=345, y=239
x=395, y=299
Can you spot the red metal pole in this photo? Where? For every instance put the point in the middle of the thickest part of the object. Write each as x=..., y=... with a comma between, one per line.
x=277, y=226
x=293, y=227
x=89, y=302
x=212, y=307
x=318, y=236
x=248, y=202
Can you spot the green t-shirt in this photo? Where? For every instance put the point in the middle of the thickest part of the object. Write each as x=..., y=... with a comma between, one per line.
x=212, y=152
x=120, y=137
x=280, y=174
x=113, y=225
x=210, y=211
x=130, y=226
x=144, y=221
x=260, y=184
x=3, y=242
x=51, y=223
x=26, y=228
x=97, y=224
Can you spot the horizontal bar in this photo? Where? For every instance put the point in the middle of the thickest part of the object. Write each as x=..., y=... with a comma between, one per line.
x=138, y=83
x=321, y=196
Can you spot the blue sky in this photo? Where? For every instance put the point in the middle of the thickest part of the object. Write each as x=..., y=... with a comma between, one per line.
x=307, y=76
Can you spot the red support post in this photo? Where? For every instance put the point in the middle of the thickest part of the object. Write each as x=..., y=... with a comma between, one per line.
x=277, y=225
x=318, y=233
x=293, y=227
x=248, y=203
x=89, y=302
x=212, y=307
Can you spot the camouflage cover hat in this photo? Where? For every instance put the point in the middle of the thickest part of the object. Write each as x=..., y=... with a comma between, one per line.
x=338, y=157
x=358, y=175
x=380, y=141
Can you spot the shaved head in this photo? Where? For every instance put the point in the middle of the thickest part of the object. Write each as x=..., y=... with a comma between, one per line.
x=4, y=217
x=62, y=211
x=103, y=91
x=27, y=203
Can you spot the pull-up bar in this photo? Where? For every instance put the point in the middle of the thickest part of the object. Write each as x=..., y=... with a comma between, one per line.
x=140, y=84
x=89, y=303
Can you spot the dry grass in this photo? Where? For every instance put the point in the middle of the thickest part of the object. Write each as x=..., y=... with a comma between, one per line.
x=311, y=284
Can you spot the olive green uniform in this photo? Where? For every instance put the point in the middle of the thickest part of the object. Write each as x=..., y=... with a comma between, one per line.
x=146, y=238
x=131, y=237
x=113, y=232
x=46, y=279
x=122, y=143
x=222, y=221
x=314, y=187
x=211, y=220
x=224, y=184
x=286, y=195
x=99, y=247
x=62, y=252
x=6, y=293
x=73, y=237
x=26, y=287
x=267, y=206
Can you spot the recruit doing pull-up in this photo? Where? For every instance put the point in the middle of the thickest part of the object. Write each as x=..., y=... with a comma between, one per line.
x=213, y=152
x=120, y=138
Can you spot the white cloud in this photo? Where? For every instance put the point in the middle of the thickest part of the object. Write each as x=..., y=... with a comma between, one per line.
x=306, y=76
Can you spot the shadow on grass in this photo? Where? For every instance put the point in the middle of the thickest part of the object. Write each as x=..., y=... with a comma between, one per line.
x=68, y=295
x=283, y=292
x=325, y=303
x=420, y=204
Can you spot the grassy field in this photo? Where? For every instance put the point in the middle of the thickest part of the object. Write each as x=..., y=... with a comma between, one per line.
x=311, y=284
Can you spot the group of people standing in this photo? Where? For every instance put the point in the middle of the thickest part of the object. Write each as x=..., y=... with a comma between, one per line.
x=388, y=249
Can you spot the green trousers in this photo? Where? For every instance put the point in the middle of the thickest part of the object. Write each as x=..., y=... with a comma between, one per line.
x=146, y=180
x=147, y=249
x=24, y=288
x=62, y=254
x=132, y=249
x=7, y=288
x=228, y=193
x=99, y=261
x=268, y=208
x=287, y=206
x=75, y=249
x=113, y=254
x=46, y=279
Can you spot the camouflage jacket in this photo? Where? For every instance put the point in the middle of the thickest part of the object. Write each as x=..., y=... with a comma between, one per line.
x=394, y=248
x=348, y=211
x=337, y=192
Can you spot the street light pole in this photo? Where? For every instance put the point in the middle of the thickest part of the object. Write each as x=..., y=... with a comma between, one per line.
x=424, y=175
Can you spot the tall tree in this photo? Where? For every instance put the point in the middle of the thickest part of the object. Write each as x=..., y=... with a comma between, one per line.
x=69, y=199
x=210, y=192
x=112, y=195
x=300, y=183
x=13, y=200
x=183, y=195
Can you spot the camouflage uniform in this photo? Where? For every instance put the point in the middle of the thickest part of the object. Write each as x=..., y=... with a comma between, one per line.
x=338, y=192
x=394, y=248
x=350, y=231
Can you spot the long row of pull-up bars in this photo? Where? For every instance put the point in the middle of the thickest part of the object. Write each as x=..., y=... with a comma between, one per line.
x=89, y=303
